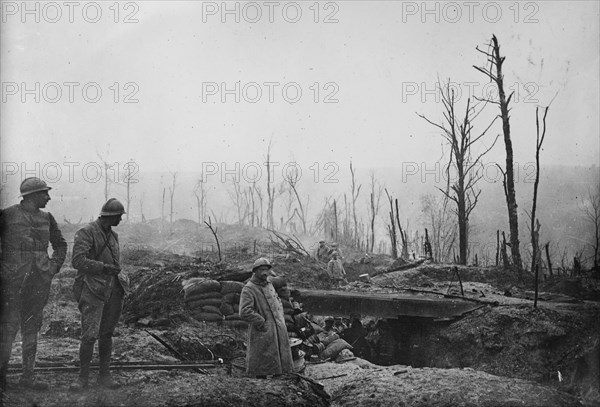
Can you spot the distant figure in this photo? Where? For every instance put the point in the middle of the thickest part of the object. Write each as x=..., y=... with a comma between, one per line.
x=322, y=253
x=99, y=288
x=26, y=274
x=269, y=351
x=335, y=248
x=335, y=269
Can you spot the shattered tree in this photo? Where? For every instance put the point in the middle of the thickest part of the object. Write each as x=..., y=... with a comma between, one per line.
x=457, y=134
x=494, y=72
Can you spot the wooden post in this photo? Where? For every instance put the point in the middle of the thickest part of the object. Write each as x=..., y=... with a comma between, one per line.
x=497, y=247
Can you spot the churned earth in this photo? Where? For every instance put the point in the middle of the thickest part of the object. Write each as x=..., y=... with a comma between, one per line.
x=506, y=353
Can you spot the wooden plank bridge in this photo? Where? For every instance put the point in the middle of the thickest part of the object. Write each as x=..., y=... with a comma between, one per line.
x=384, y=305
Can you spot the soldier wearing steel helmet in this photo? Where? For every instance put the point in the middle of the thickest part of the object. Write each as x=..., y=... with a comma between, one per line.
x=26, y=274
x=99, y=288
x=269, y=351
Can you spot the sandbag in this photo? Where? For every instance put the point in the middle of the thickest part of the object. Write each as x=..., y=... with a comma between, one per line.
x=231, y=298
x=201, y=303
x=236, y=308
x=226, y=309
x=191, y=282
x=334, y=348
x=233, y=317
x=203, y=287
x=207, y=316
x=231, y=287
x=289, y=319
x=327, y=338
x=211, y=309
x=202, y=296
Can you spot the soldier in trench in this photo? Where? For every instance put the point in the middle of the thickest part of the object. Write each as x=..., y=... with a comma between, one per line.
x=269, y=351
x=99, y=288
x=26, y=274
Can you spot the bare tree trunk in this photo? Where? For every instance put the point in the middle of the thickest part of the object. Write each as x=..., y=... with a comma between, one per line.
x=162, y=211
x=392, y=227
x=128, y=190
x=270, y=192
x=497, y=247
x=143, y=219
x=535, y=232
x=511, y=199
x=355, y=193
x=172, y=194
x=335, y=220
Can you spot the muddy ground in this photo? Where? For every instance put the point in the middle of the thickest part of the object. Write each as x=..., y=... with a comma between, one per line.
x=505, y=353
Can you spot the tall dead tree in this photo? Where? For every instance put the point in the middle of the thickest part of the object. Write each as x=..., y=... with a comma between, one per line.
x=200, y=194
x=392, y=227
x=172, y=194
x=142, y=199
x=107, y=166
x=162, y=211
x=494, y=72
x=535, y=231
x=130, y=167
x=270, y=191
x=374, y=200
x=457, y=133
x=335, y=220
x=291, y=178
x=403, y=237
x=355, y=193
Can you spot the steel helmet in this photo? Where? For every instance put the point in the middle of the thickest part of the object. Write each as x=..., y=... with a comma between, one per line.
x=263, y=261
x=33, y=184
x=112, y=207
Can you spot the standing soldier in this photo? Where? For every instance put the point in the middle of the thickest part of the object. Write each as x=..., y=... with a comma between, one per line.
x=99, y=289
x=26, y=274
x=322, y=251
x=335, y=269
x=269, y=351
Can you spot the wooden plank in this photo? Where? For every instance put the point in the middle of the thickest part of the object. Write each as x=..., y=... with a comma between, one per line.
x=384, y=305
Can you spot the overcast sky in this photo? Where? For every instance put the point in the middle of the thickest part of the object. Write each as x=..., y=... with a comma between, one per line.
x=182, y=65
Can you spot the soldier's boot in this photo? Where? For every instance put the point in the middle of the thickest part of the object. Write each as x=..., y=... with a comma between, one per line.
x=86, y=351
x=28, y=376
x=104, y=353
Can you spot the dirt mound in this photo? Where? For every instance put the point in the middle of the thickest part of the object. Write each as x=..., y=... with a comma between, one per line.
x=303, y=272
x=370, y=385
x=176, y=388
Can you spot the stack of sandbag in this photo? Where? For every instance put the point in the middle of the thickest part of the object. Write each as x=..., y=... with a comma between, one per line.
x=203, y=298
x=212, y=301
x=230, y=306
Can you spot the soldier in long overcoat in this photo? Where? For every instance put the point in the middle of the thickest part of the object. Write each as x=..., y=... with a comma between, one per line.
x=269, y=351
